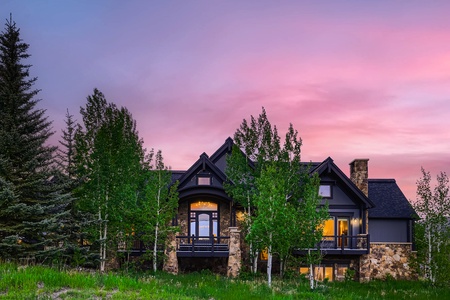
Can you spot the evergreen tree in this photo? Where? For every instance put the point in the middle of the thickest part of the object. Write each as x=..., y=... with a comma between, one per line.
x=35, y=205
x=66, y=152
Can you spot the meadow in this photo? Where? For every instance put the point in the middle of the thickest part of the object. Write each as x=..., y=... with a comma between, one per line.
x=39, y=282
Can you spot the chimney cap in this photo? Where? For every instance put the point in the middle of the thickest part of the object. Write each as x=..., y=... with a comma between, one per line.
x=358, y=159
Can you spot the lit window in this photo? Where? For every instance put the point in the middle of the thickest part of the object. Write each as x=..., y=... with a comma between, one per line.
x=320, y=272
x=203, y=205
x=204, y=180
x=325, y=191
x=264, y=254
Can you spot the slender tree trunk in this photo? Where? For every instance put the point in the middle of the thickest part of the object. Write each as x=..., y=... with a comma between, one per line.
x=105, y=232
x=429, y=266
x=311, y=273
x=155, y=247
x=255, y=262
x=100, y=238
x=281, y=267
x=269, y=263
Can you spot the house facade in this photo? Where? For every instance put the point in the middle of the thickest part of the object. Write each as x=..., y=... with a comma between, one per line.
x=370, y=229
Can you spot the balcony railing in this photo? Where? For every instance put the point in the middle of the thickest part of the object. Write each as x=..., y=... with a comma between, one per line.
x=138, y=247
x=202, y=246
x=344, y=244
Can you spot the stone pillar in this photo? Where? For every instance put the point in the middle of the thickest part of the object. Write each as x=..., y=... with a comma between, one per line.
x=170, y=252
x=234, y=258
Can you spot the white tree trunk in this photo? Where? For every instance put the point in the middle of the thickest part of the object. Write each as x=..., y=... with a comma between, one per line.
x=100, y=236
x=269, y=262
x=311, y=273
x=269, y=266
x=103, y=257
x=155, y=247
x=255, y=262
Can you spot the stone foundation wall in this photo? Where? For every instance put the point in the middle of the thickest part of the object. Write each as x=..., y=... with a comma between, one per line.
x=389, y=259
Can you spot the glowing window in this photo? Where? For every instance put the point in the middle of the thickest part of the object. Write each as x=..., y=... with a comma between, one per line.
x=204, y=205
x=328, y=229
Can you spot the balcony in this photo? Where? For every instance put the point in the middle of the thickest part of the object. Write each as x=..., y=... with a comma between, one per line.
x=344, y=244
x=202, y=246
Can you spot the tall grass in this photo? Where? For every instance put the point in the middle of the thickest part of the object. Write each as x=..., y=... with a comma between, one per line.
x=38, y=282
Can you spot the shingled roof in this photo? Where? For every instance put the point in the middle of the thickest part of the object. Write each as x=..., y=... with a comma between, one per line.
x=389, y=200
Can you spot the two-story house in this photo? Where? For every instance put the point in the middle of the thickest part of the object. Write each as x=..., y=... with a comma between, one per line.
x=370, y=227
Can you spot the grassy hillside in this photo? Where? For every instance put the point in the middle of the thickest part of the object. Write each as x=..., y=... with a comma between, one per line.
x=38, y=282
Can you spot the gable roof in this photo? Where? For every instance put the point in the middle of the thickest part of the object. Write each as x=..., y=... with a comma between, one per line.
x=390, y=202
x=328, y=166
x=203, y=164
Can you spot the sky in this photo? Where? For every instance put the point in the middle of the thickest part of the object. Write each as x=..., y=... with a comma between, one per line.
x=357, y=79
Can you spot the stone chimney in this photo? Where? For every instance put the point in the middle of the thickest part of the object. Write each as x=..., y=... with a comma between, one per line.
x=359, y=174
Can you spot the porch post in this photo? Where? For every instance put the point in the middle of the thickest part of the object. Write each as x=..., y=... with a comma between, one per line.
x=170, y=253
x=234, y=258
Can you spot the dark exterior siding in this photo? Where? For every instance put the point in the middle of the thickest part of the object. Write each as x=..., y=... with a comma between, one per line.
x=385, y=230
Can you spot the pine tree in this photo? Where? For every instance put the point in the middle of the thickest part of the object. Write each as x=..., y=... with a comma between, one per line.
x=35, y=205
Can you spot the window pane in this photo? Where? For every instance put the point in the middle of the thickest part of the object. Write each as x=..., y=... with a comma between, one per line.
x=325, y=191
x=204, y=180
x=329, y=273
x=203, y=222
x=304, y=270
x=192, y=227
x=328, y=228
x=214, y=227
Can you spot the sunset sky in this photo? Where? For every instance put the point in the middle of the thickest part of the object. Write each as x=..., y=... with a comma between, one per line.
x=358, y=79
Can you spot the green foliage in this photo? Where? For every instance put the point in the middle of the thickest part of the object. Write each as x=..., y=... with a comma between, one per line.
x=350, y=275
x=33, y=204
x=108, y=156
x=157, y=204
x=432, y=230
x=268, y=179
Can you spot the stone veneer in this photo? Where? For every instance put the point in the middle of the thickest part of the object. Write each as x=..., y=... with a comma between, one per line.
x=234, y=257
x=170, y=253
x=387, y=259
